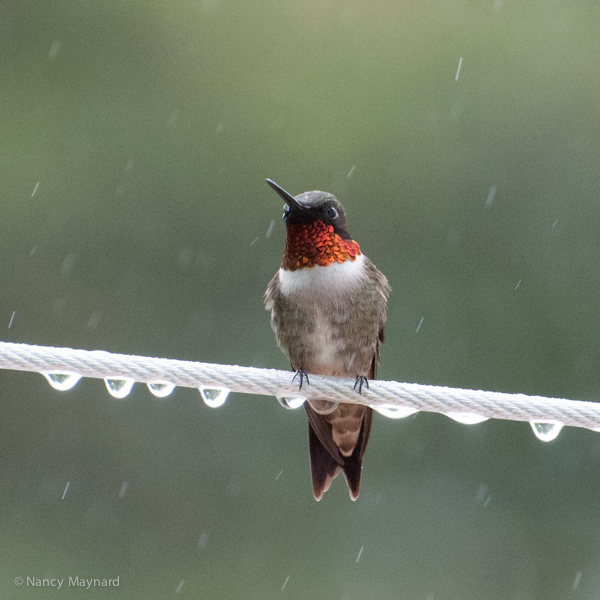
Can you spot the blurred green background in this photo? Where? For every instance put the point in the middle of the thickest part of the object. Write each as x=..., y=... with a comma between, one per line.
x=146, y=130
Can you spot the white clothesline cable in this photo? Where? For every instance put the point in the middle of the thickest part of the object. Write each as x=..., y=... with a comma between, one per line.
x=390, y=397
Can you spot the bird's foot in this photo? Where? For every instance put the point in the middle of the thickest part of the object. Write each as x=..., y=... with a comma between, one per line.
x=302, y=374
x=360, y=381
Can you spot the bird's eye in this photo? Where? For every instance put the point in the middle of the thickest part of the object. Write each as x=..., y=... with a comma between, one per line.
x=330, y=212
x=286, y=210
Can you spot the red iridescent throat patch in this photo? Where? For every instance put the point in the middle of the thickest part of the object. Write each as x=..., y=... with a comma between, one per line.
x=310, y=244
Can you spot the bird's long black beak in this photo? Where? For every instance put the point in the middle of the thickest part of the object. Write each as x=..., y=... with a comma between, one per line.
x=288, y=198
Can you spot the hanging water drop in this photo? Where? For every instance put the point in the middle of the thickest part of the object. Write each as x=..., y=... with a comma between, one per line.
x=215, y=396
x=291, y=402
x=119, y=387
x=161, y=388
x=466, y=418
x=62, y=381
x=546, y=430
x=395, y=412
x=323, y=407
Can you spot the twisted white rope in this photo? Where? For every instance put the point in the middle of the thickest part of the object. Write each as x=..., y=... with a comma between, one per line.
x=247, y=380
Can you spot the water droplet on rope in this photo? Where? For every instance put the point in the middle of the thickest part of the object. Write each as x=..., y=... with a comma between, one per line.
x=323, y=407
x=291, y=402
x=395, y=412
x=546, y=430
x=466, y=418
x=62, y=381
x=161, y=388
x=214, y=397
x=119, y=387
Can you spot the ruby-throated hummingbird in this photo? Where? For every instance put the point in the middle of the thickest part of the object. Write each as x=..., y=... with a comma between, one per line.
x=328, y=307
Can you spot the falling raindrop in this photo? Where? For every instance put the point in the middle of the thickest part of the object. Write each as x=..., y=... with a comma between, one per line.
x=546, y=430
x=203, y=540
x=161, y=388
x=62, y=381
x=214, y=397
x=186, y=256
x=458, y=70
x=59, y=306
x=119, y=387
x=67, y=264
x=395, y=412
x=123, y=489
x=270, y=230
x=93, y=321
x=466, y=418
x=180, y=586
x=54, y=50
x=481, y=493
x=173, y=119
x=291, y=402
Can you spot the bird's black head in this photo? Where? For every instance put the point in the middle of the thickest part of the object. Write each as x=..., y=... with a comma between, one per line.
x=313, y=206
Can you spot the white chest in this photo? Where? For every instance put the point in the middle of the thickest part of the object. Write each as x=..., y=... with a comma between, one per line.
x=333, y=280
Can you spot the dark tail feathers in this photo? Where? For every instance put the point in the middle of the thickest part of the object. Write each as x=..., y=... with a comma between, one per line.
x=324, y=467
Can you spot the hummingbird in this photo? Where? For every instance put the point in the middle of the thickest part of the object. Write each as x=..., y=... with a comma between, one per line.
x=328, y=309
